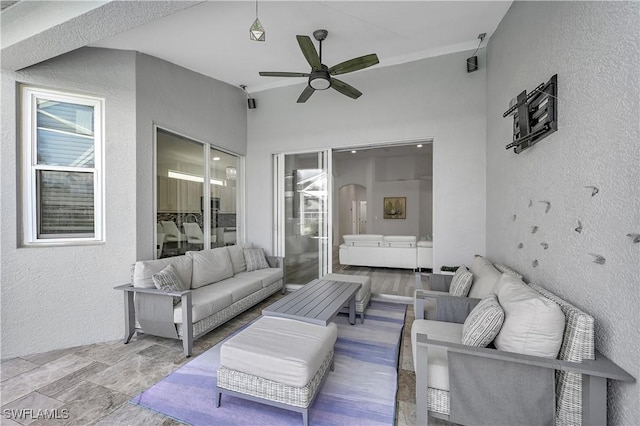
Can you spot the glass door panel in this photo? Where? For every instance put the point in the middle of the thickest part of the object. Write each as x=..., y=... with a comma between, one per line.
x=305, y=210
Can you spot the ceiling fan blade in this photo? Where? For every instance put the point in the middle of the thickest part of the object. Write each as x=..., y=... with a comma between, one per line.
x=306, y=94
x=282, y=74
x=345, y=88
x=309, y=51
x=354, y=64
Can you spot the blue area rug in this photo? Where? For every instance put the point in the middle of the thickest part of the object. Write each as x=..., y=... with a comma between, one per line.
x=361, y=390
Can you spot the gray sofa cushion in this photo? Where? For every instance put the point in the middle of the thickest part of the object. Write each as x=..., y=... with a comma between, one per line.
x=236, y=253
x=438, y=367
x=206, y=301
x=238, y=287
x=210, y=266
x=267, y=276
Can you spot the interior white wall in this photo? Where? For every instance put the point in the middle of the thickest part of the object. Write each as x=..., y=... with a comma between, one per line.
x=594, y=47
x=347, y=194
x=52, y=296
x=432, y=98
x=387, y=177
x=187, y=103
x=426, y=209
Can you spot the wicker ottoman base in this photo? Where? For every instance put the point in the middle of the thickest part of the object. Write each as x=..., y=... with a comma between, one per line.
x=259, y=389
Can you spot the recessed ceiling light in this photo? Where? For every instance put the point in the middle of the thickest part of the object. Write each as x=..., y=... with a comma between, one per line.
x=419, y=146
x=216, y=158
x=353, y=152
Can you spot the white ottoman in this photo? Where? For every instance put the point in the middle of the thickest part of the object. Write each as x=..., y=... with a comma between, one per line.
x=277, y=361
x=363, y=296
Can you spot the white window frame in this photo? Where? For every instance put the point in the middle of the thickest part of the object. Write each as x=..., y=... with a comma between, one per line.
x=29, y=96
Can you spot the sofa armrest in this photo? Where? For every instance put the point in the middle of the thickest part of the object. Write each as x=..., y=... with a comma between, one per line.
x=490, y=369
x=275, y=261
x=447, y=308
x=132, y=289
x=599, y=367
x=439, y=282
x=153, y=309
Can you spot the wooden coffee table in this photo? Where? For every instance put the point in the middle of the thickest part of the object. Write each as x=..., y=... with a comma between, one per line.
x=316, y=302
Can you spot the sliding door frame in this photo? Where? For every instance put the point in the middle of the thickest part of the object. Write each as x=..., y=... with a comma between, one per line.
x=278, y=238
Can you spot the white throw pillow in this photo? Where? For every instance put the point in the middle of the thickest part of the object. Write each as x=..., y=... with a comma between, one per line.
x=533, y=324
x=255, y=259
x=210, y=266
x=485, y=278
x=483, y=323
x=461, y=282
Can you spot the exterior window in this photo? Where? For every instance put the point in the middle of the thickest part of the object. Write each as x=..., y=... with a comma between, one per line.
x=198, y=206
x=62, y=146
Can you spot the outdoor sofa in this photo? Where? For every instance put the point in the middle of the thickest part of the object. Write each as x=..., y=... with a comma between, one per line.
x=212, y=287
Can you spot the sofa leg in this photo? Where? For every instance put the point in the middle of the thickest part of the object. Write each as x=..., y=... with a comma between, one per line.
x=129, y=317
x=187, y=325
x=594, y=400
x=187, y=346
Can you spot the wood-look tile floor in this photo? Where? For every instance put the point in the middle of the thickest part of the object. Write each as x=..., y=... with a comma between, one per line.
x=93, y=383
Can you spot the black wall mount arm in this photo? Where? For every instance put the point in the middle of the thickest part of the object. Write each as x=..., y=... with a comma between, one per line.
x=535, y=115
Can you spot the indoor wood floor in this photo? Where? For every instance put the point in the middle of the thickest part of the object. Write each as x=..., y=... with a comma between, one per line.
x=398, y=283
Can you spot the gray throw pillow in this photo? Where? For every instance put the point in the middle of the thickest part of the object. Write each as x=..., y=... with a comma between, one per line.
x=461, y=282
x=483, y=323
x=168, y=279
x=255, y=259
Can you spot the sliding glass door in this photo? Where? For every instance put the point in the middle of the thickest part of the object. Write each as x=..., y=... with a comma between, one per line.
x=197, y=195
x=301, y=231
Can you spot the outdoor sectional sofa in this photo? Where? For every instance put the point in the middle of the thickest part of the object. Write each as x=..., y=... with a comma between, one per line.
x=390, y=251
x=219, y=284
x=537, y=366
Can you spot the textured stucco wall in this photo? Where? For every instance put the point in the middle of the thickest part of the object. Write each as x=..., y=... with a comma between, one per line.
x=430, y=99
x=55, y=297
x=188, y=103
x=594, y=49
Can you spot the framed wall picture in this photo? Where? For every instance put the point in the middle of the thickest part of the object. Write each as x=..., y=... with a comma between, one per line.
x=394, y=208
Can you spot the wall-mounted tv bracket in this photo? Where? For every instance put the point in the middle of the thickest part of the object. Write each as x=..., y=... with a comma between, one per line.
x=535, y=115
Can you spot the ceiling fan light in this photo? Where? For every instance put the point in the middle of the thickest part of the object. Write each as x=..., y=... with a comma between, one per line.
x=256, y=32
x=320, y=79
x=319, y=83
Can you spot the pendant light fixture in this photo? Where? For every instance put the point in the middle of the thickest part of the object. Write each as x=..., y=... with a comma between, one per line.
x=256, y=32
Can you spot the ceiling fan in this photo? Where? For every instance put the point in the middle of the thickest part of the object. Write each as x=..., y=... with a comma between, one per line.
x=320, y=77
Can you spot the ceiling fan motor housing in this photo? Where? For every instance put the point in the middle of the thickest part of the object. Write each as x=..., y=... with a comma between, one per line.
x=320, y=79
